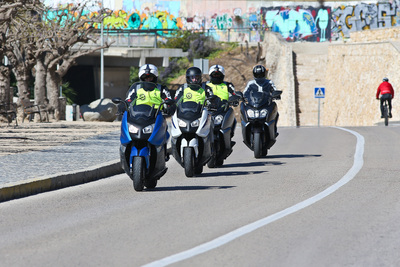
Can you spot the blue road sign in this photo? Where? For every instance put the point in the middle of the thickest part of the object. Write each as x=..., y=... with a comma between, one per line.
x=319, y=92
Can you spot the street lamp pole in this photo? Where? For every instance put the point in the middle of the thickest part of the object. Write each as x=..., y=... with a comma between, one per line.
x=102, y=60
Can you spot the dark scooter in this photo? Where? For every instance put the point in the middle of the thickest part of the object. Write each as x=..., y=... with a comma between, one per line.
x=224, y=126
x=259, y=115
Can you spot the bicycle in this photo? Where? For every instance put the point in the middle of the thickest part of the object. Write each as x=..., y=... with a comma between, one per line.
x=386, y=112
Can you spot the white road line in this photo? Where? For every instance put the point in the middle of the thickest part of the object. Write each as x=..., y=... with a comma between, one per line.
x=357, y=165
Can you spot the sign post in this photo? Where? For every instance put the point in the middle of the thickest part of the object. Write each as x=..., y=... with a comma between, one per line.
x=319, y=92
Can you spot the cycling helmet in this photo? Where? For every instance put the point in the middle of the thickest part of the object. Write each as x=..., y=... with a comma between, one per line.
x=217, y=74
x=259, y=71
x=385, y=79
x=193, y=75
x=148, y=70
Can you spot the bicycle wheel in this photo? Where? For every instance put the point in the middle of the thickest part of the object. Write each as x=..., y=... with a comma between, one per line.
x=386, y=114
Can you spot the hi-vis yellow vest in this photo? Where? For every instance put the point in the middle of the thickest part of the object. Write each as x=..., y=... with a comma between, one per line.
x=150, y=98
x=198, y=96
x=220, y=90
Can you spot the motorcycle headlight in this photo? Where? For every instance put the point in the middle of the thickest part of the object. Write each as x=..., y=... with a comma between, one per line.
x=195, y=123
x=218, y=119
x=263, y=113
x=250, y=113
x=181, y=123
x=148, y=129
x=133, y=129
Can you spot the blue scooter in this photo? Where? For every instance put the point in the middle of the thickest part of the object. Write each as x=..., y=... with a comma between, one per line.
x=143, y=149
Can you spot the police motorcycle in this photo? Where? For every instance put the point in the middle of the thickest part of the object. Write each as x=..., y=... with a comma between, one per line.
x=224, y=126
x=259, y=115
x=191, y=135
x=144, y=137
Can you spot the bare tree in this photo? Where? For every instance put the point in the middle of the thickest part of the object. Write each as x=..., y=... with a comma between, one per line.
x=9, y=11
x=70, y=29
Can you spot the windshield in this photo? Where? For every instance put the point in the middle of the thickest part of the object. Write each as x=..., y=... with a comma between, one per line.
x=258, y=99
x=189, y=110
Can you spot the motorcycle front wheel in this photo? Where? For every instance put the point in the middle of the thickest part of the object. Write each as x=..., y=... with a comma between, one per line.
x=257, y=144
x=138, y=173
x=188, y=161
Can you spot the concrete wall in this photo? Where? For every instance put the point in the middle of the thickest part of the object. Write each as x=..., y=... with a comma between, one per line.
x=278, y=58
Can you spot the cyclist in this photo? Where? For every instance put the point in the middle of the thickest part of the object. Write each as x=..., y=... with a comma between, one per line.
x=386, y=91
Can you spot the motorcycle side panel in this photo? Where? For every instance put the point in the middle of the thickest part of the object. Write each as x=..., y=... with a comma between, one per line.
x=125, y=137
x=228, y=120
x=175, y=131
x=205, y=122
x=160, y=134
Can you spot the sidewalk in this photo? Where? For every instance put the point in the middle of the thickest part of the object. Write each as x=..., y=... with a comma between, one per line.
x=39, y=157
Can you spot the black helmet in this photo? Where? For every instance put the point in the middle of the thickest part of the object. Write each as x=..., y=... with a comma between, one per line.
x=193, y=75
x=385, y=79
x=217, y=74
x=259, y=71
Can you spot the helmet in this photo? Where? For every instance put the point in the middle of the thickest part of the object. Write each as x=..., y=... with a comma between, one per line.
x=259, y=71
x=385, y=79
x=217, y=74
x=148, y=70
x=193, y=75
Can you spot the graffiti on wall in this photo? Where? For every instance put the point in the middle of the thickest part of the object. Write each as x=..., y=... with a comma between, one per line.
x=363, y=16
x=312, y=24
x=293, y=23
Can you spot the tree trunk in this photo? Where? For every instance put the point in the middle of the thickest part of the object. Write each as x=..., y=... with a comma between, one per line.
x=5, y=91
x=53, y=82
x=40, y=85
x=22, y=77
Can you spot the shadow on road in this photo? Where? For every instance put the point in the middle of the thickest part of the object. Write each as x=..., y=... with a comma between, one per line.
x=228, y=173
x=290, y=156
x=250, y=164
x=187, y=188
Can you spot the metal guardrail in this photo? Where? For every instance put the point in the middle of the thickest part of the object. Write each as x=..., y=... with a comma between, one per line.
x=150, y=38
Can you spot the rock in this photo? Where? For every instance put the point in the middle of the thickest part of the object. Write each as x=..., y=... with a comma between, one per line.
x=100, y=110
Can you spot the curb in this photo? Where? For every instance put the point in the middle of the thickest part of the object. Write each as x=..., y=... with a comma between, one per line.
x=61, y=180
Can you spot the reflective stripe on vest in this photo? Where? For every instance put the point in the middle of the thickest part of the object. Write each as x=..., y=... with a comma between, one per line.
x=150, y=98
x=220, y=90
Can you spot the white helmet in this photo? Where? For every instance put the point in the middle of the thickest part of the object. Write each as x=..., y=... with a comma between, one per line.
x=148, y=70
x=217, y=74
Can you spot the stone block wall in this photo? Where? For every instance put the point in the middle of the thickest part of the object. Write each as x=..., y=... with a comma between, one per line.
x=278, y=58
x=353, y=75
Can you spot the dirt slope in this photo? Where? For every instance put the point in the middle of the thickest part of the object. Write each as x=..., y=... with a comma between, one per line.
x=238, y=65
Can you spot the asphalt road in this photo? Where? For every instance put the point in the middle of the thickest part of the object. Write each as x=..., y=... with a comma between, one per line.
x=323, y=197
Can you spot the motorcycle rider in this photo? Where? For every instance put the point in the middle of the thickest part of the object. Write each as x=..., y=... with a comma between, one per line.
x=194, y=89
x=146, y=93
x=261, y=82
x=386, y=91
x=150, y=95
x=222, y=89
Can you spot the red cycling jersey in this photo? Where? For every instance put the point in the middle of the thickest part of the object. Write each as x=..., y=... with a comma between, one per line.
x=385, y=88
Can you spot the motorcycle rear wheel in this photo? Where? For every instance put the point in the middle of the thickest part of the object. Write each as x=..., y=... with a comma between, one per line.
x=257, y=143
x=138, y=173
x=188, y=161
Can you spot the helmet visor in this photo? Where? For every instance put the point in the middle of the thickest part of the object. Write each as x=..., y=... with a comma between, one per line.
x=195, y=78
